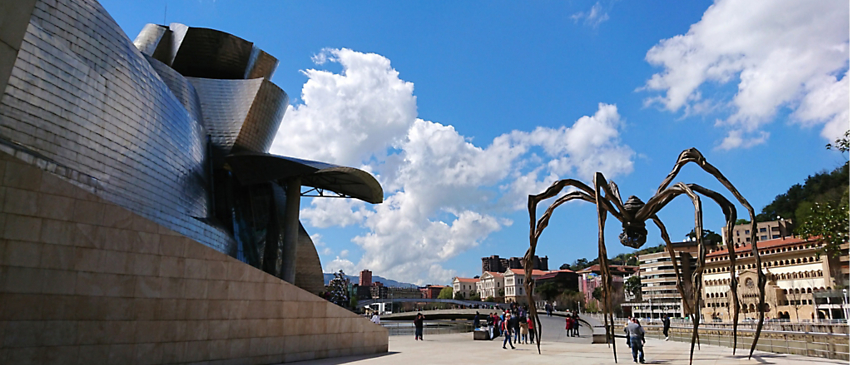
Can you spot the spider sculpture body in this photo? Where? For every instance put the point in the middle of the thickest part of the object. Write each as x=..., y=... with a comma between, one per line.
x=633, y=214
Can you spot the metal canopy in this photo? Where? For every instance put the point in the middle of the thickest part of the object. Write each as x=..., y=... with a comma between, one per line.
x=252, y=168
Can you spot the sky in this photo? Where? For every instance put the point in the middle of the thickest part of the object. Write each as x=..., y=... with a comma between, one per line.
x=463, y=109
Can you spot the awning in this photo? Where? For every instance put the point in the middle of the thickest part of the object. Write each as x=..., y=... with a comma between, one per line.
x=252, y=168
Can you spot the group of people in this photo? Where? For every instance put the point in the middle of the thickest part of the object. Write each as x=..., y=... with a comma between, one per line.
x=572, y=325
x=514, y=324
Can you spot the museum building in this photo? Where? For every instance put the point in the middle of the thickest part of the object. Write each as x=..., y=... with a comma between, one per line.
x=143, y=219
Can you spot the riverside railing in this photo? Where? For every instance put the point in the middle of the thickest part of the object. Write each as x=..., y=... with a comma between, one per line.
x=431, y=328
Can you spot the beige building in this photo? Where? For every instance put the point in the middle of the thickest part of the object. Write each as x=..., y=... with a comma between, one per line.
x=491, y=284
x=765, y=231
x=467, y=287
x=796, y=275
x=658, y=279
x=515, y=285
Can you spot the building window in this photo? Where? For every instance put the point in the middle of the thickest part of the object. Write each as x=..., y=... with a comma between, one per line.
x=762, y=229
x=763, y=238
x=747, y=231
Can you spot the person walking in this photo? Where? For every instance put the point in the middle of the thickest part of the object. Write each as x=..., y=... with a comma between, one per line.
x=626, y=330
x=666, y=322
x=507, y=328
x=636, y=338
x=476, y=322
x=376, y=319
x=531, y=329
x=419, y=324
x=569, y=326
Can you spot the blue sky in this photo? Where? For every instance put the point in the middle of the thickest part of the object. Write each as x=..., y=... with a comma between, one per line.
x=462, y=109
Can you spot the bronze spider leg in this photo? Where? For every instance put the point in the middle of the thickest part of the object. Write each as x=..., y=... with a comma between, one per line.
x=657, y=203
x=693, y=155
x=536, y=229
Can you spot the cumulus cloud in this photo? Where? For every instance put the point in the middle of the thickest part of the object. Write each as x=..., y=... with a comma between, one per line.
x=784, y=53
x=443, y=194
x=593, y=17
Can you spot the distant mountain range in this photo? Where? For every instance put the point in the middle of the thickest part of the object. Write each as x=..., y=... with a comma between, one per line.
x=385, y=281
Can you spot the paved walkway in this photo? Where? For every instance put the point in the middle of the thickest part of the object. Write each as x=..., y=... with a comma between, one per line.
x=456, y=349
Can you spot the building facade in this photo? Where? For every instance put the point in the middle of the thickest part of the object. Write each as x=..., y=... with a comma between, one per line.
x=765, y=231
x=590, y=278
x=431, y=291
x=515, y=285
x=466, y=287
x=491, y=284
x=659, y=294
x=365, y=278
x=145, y=164
x=800, y=280
x=496, y=264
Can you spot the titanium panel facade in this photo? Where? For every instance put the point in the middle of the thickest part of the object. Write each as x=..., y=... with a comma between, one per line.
x=82, y=97
x=148, y=125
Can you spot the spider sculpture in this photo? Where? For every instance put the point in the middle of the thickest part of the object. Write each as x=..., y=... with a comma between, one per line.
x=633, y=215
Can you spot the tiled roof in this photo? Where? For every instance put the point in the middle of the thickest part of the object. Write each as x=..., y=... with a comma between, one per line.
x=618, y=268
x=467, y=280
x=779, y=242
x=533, y=272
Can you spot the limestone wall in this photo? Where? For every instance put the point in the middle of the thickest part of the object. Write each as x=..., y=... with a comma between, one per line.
x=84, y=281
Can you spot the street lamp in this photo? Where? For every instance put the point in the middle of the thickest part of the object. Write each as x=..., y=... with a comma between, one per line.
x=844, y=306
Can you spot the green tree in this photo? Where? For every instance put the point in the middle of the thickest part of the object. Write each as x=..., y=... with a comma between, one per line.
x=548, y=290
x=741, y=221
x=353, y=302
x=632, y=286
x=829, y=221
x=475, y=297
x=709, y=237
x=446, y=293
x=458, y=296
x=490, y=299
x=597, y=293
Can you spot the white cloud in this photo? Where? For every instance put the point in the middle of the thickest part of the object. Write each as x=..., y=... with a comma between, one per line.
x=363, y=110
x=783, y=53
x=443, y=194
x=593, y=17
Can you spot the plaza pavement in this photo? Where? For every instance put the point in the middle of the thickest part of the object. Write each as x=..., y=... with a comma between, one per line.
x=556, y=348
x=457, y=349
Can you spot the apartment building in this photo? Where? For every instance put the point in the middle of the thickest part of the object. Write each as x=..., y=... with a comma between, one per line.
x=741, y=233
x=491, y=284
x=658, y=280
x=515, y=285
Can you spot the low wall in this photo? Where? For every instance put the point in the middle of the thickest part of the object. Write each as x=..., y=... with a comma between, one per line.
x=84, y=281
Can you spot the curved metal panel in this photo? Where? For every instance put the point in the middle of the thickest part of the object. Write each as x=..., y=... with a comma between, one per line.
x=264, y=118
x=83, y=95
x=180, y=87
x=225, y=105
x=261, y=64
x=308, y=273
x=155, y=40
x=210, y=53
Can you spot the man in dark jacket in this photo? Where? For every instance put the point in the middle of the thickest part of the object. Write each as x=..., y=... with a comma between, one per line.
x=666, y=321
x=419, y=323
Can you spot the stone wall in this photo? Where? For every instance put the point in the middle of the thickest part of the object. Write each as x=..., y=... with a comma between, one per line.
x=84, y=281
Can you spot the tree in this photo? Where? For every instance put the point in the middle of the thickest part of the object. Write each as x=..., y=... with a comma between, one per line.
x=564, y=267
x=490, y=299
x=570, y=299
x=548, y=290
x=741, y=221
x=353, y=302
x=829, y=221
x=709, y=237
x=842, y=144
x=458, y=296
x=446, y=293
x=475, y=297
x=632, y=286
x=338, y=290
x=597, y=293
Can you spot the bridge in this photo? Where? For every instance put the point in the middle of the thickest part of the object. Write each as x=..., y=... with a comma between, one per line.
x=467, y=303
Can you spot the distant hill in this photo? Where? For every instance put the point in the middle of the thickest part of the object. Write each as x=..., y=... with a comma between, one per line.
x=385, y=281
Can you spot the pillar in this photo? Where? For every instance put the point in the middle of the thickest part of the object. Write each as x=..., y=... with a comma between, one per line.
x=291, y=229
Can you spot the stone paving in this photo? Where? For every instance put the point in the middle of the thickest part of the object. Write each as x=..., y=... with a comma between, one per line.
x=455, y=349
